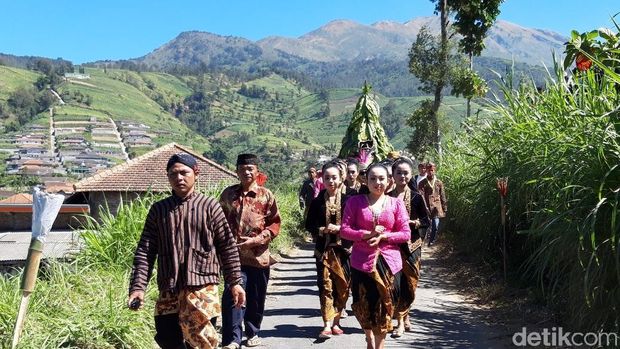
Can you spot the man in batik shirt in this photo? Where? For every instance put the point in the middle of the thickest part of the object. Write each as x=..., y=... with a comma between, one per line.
x=434, y=193
x=188, y=235
x=254, y=218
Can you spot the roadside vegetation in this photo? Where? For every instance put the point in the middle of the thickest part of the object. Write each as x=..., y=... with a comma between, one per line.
x=558, y=145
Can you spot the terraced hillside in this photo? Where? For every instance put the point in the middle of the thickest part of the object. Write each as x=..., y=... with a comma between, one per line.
x=278, y=118
x=133, y=97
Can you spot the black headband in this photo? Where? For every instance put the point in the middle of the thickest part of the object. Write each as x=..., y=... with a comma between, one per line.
x=183, y=158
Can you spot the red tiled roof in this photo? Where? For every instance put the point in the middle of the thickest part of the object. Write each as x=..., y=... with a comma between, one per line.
x=148, y=173
x=21, y=198
x=55, y=187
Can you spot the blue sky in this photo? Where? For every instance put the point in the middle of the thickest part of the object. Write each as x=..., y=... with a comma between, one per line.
x=83, y=31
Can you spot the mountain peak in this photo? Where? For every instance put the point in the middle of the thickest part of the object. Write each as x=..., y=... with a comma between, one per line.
x=335, y=27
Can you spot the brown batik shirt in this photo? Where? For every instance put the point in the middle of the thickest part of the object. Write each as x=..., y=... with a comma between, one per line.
x=254, y=214
x=191, y=240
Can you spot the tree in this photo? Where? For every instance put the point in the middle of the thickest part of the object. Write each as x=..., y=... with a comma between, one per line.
x=429, y=62
x=44, y=66
x=391, y=120
x=22, y=98
x=421, y=142
x=433, y=61
x=472, y=20
x=45, y=100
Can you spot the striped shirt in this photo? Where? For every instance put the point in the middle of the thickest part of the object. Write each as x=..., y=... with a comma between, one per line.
x=192, y=242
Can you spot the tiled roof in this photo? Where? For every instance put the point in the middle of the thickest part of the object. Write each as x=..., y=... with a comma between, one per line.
x=55, y=187
x=148, y=173
x=20, y=198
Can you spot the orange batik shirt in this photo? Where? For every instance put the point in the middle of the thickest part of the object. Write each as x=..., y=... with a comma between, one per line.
x=253, y=214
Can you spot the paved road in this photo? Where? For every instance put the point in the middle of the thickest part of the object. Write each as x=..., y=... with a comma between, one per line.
x=442, y=318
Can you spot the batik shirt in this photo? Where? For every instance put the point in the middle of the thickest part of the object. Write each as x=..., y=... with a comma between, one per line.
x=254, y=214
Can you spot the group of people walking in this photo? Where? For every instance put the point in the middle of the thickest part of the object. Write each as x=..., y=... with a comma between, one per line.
x=368, y=226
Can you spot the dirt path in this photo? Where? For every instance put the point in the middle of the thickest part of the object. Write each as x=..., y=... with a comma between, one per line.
x=441, y=316
x=81, y=83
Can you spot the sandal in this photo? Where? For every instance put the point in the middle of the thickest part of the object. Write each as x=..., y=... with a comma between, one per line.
x=253, y=342
x=398, y=332
x=336, y=330
x=325, y=334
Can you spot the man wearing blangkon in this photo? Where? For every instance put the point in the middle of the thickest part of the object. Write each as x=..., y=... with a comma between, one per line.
x=189, y=236
x=254, y=218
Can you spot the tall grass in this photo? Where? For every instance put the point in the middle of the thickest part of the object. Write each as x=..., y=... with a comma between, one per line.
x=81, y=304
x=560, y=149
x=291, y=231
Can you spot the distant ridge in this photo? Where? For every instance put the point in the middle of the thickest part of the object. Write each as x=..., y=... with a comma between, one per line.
x=345, y=40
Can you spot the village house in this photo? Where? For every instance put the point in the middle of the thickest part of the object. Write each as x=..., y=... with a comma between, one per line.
x=17, y=164
x=140, y=176
x=137, y=140
x=131, y=124
x=30, y=139
x=37, y=170
x=71, y=142
x=110, y=152
x=127, y=133
x=106, y=145
x=77, y=76
x=32, y=152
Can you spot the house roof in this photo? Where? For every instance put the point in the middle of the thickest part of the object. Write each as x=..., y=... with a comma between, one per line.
x=20, y=198
x=148, y=173
x=55, y=187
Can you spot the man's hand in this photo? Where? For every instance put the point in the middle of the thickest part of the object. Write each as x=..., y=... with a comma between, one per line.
x=238, y=295
x=416, y=223
x=135, y=300
x=248, y=242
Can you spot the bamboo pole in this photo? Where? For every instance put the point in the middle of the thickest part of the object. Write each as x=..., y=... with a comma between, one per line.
x=45, y=208
x=29, y=279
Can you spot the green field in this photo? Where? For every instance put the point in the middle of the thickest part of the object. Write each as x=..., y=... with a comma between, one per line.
x=13, y=78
